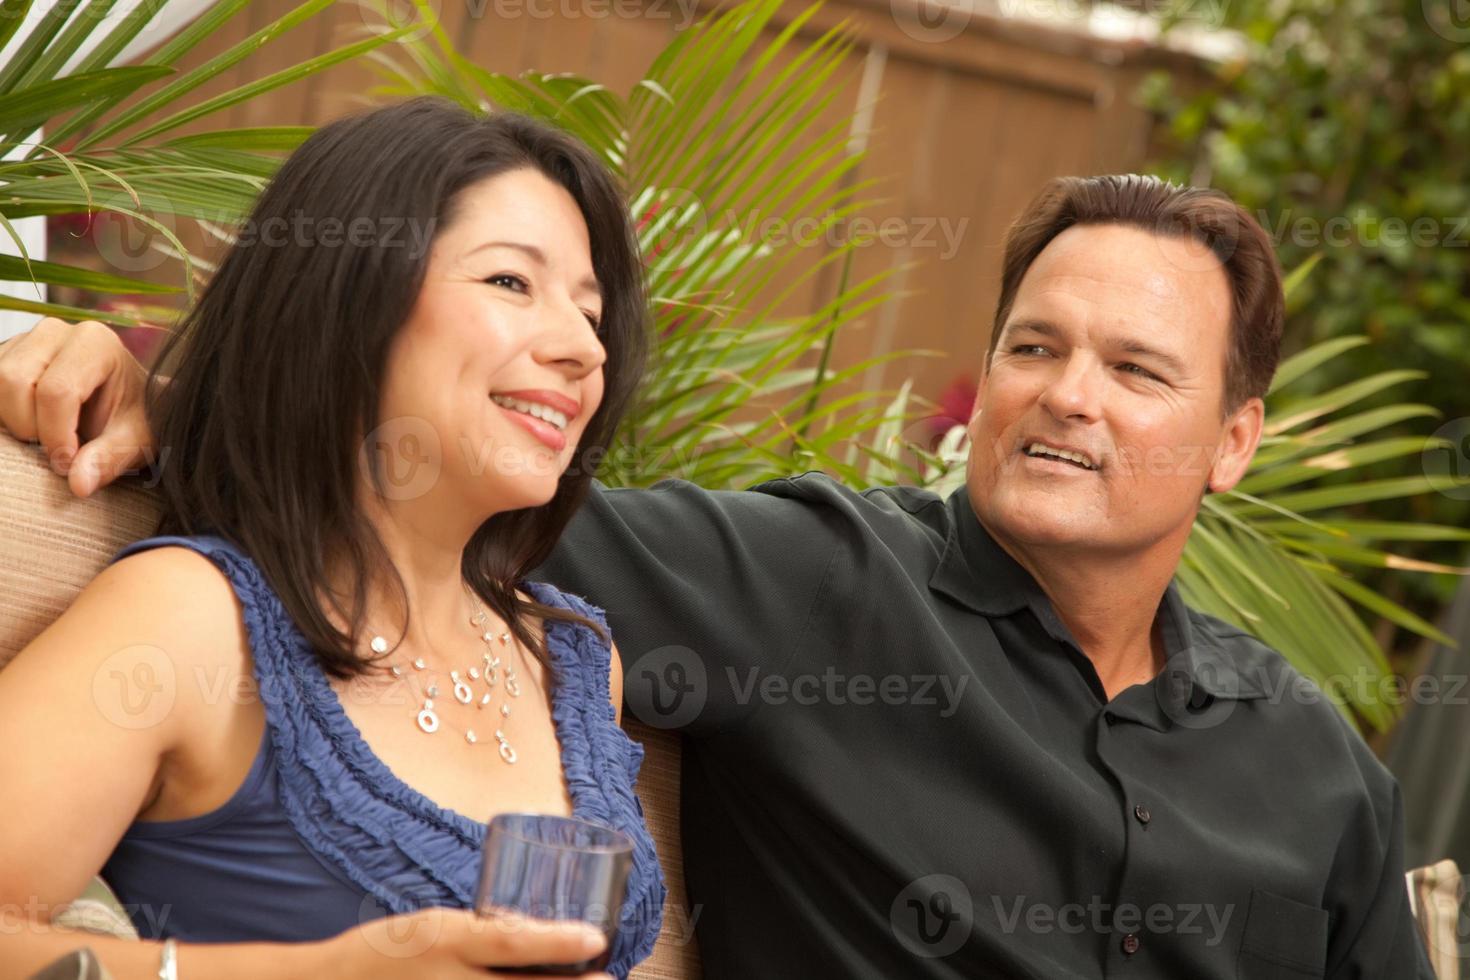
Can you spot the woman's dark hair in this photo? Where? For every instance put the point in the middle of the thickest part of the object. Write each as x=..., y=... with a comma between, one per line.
x=276, y=371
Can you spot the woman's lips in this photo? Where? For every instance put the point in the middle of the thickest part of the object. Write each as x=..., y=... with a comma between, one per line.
x=549, y=434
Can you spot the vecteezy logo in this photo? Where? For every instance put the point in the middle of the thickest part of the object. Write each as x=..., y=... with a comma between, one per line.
x=932, y=21
x=135, y=687
x=400, y=937
x=401, y=457
x=1446, y=459
x=408, y=451
x=1450, y=19
x=667, y=687
x=944, y=917
x=933, y=916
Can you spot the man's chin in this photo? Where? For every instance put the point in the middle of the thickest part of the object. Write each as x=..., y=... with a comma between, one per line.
x=1043, y=522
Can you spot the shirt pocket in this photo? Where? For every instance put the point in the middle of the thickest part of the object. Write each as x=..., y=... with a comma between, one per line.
x=1284, y=939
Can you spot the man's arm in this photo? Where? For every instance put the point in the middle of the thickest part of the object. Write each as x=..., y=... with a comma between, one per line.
x=1374, y=933
x=699, y=587
x=78, y=391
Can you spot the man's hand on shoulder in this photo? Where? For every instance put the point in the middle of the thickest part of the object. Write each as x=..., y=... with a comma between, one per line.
x=77, y=390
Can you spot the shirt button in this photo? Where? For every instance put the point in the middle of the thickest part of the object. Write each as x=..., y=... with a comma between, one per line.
x=1130, y=944
x=1111, y=719
x=1141, y=812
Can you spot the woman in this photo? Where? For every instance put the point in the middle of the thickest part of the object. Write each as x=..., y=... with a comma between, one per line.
x=380, y=418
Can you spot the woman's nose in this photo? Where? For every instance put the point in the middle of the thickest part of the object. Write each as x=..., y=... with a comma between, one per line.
x=573, y=343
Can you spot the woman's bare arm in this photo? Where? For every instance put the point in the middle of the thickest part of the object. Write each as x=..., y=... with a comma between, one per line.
x=90, y=709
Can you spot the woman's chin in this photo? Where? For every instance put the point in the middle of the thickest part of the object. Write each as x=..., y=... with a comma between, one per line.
x=522, y=493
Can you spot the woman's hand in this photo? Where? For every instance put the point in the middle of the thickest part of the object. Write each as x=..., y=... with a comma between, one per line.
x=75, y=389
x=455, y=943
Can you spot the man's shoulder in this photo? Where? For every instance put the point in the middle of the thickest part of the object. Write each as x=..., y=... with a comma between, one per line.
x=880, y=507
x=1305, y=710
x=808, y=505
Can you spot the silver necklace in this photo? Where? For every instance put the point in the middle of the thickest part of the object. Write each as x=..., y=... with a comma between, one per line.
x=487, y=672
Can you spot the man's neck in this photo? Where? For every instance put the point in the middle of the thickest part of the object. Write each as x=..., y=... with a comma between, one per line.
x=1109, y=603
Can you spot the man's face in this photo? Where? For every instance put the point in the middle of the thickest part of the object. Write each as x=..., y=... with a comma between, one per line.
x=1115, y=351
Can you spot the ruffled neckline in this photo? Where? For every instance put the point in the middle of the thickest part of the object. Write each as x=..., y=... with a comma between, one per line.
x=349, y=740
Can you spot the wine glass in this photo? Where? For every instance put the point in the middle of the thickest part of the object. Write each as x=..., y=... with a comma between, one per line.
x=550, y=867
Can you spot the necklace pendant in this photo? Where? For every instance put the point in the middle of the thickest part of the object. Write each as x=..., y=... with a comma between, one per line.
x=469, y=736
x=488, y=637
x=428, y=721
x=433, y=690
x=397, y=671
x=379, y=645
x=504, y=710
x=512, y=687
x=474, y=673
x=418, y=663
x=462, y=692
x=504, y=639
x=507, y=753
x=483, y=701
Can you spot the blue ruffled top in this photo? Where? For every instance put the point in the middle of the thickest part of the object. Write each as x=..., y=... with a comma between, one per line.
x=322, y=836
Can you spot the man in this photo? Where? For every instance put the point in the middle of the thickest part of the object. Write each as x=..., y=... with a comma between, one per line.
x=982, y=736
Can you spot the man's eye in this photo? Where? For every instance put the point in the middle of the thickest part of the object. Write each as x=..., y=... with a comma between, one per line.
x=1027, y=348
x=1132, y=368
x=509, y=281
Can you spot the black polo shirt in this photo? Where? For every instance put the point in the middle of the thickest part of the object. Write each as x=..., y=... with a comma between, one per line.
x=899, y=764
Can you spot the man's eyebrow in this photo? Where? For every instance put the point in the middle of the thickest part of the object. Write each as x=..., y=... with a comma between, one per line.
x=1138, y=348
x=1169, y=361
x=1044, y=327
x=539, y=257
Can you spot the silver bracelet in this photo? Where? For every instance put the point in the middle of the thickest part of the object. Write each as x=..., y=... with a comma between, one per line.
x=168, y=962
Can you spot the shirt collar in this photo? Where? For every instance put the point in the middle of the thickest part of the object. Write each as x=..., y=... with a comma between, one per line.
x=978, y=573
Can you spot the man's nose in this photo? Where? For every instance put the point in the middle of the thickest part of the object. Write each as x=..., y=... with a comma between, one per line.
x=1074, y=390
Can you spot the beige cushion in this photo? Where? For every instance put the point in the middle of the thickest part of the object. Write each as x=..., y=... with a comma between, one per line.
x=53, y=543
x=1436, y=895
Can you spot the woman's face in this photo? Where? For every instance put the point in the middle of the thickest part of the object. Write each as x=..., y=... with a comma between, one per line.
x=492, y=380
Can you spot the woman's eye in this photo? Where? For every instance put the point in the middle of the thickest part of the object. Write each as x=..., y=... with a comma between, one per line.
x=594, y=320
x=509, y=281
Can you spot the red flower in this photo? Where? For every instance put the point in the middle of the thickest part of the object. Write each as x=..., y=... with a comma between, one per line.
x=954, y=407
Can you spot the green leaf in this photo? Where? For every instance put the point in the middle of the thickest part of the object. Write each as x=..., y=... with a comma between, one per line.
x=18, y=269
x=24, y=111
x=188, y=82
x=1312, y=358
x=73, y=313
x=12, y=14
x=263, y=139
x=20, y=61
x=1338, y=398
x=1293, y=280
x=205, y=25
x=273, y=81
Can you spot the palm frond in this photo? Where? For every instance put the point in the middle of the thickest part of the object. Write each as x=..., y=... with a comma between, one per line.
x=212, y=177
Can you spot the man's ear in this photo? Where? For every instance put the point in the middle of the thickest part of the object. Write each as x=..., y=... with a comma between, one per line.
x=979, y=396
x=1237, y=446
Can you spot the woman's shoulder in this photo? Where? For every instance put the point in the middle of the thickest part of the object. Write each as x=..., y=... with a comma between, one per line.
x=549, y=595
x=168, y=586
x=178, y=599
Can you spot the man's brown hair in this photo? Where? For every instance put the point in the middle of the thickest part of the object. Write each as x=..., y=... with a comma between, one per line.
x=1198, y=213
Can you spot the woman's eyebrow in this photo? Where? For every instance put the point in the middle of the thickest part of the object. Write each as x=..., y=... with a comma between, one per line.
x=590, y=284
